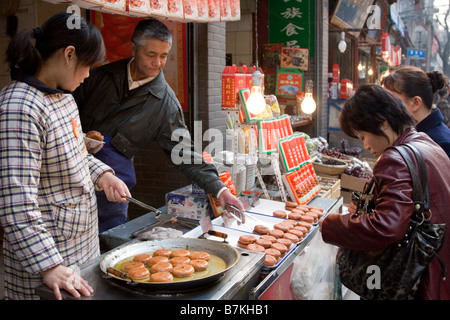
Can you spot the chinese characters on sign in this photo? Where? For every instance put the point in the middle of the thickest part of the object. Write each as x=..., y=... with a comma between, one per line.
x=292, y=22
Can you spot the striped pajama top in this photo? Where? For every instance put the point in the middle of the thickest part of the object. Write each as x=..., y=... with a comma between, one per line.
x=47, y=201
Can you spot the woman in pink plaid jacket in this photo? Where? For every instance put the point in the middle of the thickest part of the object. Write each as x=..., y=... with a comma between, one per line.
x=47, y=179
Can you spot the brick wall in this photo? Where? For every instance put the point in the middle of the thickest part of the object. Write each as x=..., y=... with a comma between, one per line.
x=211, y=62
x=155, y=177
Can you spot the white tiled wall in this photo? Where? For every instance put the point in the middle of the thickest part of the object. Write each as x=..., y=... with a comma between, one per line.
x=240, y=40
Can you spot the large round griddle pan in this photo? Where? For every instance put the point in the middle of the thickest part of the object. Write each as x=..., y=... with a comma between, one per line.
x=229, y=254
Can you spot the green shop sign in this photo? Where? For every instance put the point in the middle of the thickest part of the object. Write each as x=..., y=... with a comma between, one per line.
x=291, y=22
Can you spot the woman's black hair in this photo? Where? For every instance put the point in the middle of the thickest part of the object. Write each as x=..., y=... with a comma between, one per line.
x=413, y=81
x=369, y=108
x=56, y=33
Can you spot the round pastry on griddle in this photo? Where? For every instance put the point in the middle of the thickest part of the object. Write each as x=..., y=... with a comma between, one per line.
x=131, y=265
x=242, y=245
x=319, y=213
x=162, y=252
x=302, y=229
x=143, y=257
x=290, y=205
x=273, y=252
x=176, y=261
x=297, y=233
x=268, y=237
x=183, y=270
x=291, y=237
x=260, y=229
x=161, y=277
x=139, y=273
x=199, y=265
x=256, y=247
x=307, y=218
x=264, y=243
x=282, y=227
x=200, y=255
x=298, y=211
x=289, y=222
x=276, y=233
x=247, y=239
x=304, y=224
x=285, y=241
x=313, y=214
x=279, y=214
x=161, y=267
x=180, y=253
x=270, y=260
x=280, y=247
x=154, y=260
x=295, y=215
x=303, y=207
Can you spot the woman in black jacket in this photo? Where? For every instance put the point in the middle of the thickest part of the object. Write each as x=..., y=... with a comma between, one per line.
x=416, y=89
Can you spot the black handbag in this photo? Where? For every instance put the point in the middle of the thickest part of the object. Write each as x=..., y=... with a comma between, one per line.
x=394, y=273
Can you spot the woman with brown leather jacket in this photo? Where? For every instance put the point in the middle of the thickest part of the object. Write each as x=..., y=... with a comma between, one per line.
x=380, y=120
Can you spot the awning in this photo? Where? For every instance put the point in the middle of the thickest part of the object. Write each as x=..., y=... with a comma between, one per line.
x=174, y=10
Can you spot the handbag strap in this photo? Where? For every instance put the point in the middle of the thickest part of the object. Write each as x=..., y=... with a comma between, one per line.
x=419, y=176
x=421, y=193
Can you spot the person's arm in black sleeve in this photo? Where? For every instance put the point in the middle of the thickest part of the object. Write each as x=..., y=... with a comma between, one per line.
x=191, y=163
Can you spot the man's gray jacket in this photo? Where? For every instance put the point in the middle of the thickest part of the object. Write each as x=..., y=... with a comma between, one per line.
x=135, y=118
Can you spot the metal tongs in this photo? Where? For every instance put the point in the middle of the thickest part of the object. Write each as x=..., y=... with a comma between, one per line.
x=237, y=214
x=143, y=205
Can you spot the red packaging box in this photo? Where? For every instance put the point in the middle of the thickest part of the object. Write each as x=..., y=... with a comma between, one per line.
x=336, y=73
x=232, y=81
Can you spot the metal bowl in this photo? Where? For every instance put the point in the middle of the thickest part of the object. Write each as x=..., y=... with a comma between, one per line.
x=224, y=251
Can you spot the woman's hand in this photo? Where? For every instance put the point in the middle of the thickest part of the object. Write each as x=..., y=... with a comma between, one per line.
x=115, y=189
x=61, y=277
x=352, y=208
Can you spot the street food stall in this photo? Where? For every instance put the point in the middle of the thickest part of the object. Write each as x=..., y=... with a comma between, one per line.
x=255, y=257
x=245, y=276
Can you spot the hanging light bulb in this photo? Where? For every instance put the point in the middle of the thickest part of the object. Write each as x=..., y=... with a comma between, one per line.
x=342, y=44
x=308, y=104
x=361, y=72
x=255, y=102
x=370, y=72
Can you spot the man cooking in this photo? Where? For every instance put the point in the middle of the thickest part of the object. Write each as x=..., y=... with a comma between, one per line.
x=131, y=104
